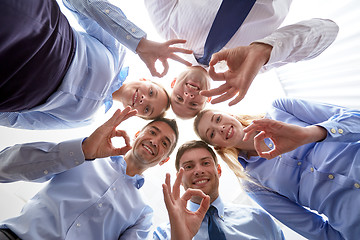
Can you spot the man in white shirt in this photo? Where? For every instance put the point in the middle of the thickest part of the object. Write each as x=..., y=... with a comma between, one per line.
x=258, y=45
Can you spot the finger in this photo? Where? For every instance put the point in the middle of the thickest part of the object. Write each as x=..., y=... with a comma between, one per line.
x=192, y=192
x=180, y=50
x=153, y=70
x=175, y=41
x=113, y=118
x=179, y=59
x=168, y=184
x=229, y=94
x=258, y=139
x=131, y=113
x=166, y=67
x=176, y=187
x=167, y=198
x=217, y=57
x=238, y=98
x=215, y=91
x=216, y=76
x=204, y=206
x=121, y=151
x=123, y=134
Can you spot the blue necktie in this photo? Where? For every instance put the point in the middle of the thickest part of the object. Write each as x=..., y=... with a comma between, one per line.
x=229, y=18
x=215, y=232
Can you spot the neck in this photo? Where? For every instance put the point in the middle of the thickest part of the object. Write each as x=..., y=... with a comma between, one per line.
x=131, y=167
x=117, y=95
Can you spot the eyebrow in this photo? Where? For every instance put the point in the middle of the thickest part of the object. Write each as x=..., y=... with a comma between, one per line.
x=201, y=159
x=192, y=109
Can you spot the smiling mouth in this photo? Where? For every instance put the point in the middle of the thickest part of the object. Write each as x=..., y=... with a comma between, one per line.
x=201, y=182
x=135, y=97
x=148, y=149
x=193, y=87
x=230, y=133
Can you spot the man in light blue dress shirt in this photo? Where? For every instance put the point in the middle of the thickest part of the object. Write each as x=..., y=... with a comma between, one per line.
x=98, y=199
x=201, y=171
x=74, y=73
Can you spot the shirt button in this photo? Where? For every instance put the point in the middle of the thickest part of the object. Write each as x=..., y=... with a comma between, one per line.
x=114, y=188
x=107, y=10
x=71, y=153
x=128, y=37
x=279, y=44
x=133, y=29
x=270, y=145
x=333, y=130
x=312, y=169
x=78, y=224
x=280, y=156
x=76, y=162
x=46, y=172
x=331, y=176
x=299, y=163
x=100, y=205
x=357, y=185
x=341, y=131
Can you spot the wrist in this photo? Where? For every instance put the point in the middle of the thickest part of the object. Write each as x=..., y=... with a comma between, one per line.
x=262, y=50
x=316, y=133
x=86, y=150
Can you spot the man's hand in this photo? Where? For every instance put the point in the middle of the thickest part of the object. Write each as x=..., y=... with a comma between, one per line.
x=244, y=64
x=99, y=144
x=184, y=223
x=286, y=137
x=150, y=52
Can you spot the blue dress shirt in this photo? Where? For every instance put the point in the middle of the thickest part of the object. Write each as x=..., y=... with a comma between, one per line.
x=316, y=187
x=94, y=74
x=95, y=200
x=237, y=222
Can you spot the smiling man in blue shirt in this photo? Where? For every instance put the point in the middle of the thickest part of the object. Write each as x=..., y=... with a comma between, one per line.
x=202, y=172
x=99, y=199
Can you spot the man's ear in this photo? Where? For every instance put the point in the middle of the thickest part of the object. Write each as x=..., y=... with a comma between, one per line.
x=208, y=100
x=164, y=161
x=173, y=83
x=217, y=148
x=219, y=170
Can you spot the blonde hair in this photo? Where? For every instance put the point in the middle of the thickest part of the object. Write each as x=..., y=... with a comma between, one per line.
x=230, y=154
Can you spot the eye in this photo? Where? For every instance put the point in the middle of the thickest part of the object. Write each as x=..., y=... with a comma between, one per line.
x=179, y=98
x=164, y=143
x=206, y=163
x=146, y=109
x=212, y=134
x=187, y=167
x=152, y=132
x=151, y=92
x=193, y=104
x=218, y=119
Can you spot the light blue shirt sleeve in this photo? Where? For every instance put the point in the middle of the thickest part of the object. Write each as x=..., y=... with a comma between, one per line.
x=342, y=124
x=111, y=18
x=39, y=161
x=293, y=215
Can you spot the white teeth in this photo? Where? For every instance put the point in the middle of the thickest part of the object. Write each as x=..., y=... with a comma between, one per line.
x=135, y=97
x=149, y=149
x=230, y=131
x=201, y=182
x=192, y=86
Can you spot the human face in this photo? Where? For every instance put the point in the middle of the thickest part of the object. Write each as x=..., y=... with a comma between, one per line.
x=186, y=101
x=149, y=99
x=153, y=144
x=220, y=129
x=200, y=172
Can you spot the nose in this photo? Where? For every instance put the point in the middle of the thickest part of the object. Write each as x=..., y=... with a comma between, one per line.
x=189, y=95
x=221, y=128
x=153, y=142
x=198, y=170
x=142, y=99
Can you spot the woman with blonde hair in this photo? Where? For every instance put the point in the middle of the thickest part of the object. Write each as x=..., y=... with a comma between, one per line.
x=311, y=181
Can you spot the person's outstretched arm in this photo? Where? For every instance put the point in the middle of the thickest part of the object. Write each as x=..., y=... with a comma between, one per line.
x=113, y=20
x=301, y=41
x=41, y=160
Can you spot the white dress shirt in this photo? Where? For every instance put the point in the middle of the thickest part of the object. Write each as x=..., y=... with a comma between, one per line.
x=192, y=20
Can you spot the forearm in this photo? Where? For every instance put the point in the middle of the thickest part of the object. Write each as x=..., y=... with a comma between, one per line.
x=301, y=41
x=31, y=161
x=112, y=19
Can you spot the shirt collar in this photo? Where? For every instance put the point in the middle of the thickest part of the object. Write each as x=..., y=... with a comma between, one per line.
x=218, y=204
x=137, y=180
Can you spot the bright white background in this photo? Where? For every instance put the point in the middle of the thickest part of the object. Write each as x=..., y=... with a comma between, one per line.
x=332, y=77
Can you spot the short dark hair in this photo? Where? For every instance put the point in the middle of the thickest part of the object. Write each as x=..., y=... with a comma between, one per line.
x=192, y=145
x=172, y=123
